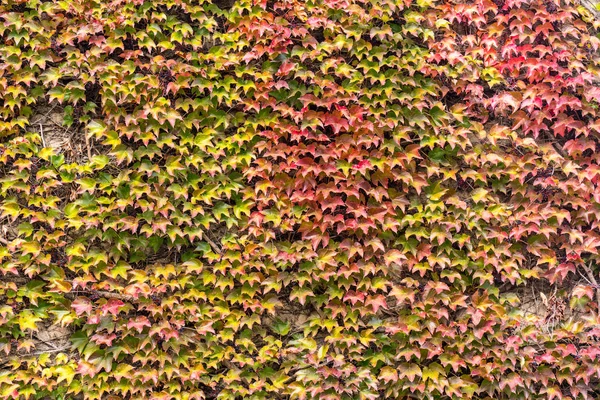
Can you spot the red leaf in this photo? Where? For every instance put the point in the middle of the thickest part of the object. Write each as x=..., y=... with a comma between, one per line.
x=104, y=338
x=86, y=369
x=560, y=272
x=112, y=306
x=377, y=302
x=138, y=323
x=354, y=297
x=362, y=166
x=82, y=305
x=285, y=68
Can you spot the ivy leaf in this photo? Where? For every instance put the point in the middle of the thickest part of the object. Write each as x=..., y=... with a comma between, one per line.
x=280, y=327
x=410, y=371
x=112, y=306
x=479, y=194
x=301, y=294
x=433, y=372
x=388, y=374
x=28, y=321
x=82, y=305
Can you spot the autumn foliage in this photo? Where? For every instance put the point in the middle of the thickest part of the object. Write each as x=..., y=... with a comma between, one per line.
x=339, y=199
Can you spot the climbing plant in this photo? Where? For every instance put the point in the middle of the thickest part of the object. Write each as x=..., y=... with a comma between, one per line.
x=339, y=199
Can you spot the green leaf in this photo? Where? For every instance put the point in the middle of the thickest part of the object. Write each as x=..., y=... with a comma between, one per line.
x=280, y=327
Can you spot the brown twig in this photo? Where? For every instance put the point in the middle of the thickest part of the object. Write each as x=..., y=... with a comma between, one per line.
x=47, y=343
x=46, y=115
x=37, y=353
x=101, y=293
x=106, y=295
x=42, y=135
x=590, y=275
x=89, y=147
x=212, y=244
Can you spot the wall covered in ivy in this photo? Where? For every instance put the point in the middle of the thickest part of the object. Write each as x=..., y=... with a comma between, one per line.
x=338, y=199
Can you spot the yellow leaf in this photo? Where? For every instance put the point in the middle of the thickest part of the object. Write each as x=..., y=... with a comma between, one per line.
x=28, y=321
x=479, y=194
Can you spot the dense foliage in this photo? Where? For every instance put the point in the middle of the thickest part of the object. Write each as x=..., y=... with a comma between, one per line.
x=340, y=199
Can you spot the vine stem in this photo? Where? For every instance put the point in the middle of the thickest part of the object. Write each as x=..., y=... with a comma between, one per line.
x=590, y=275
x=37, y=353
